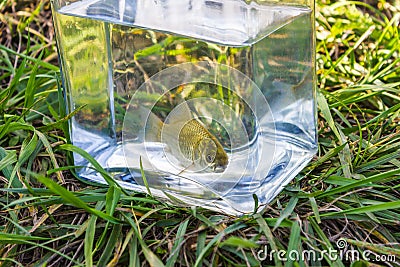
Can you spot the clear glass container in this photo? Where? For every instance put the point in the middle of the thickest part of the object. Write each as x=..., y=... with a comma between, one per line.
x=214, y=100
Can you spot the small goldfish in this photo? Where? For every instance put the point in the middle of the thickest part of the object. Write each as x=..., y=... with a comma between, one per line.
x=187, y=138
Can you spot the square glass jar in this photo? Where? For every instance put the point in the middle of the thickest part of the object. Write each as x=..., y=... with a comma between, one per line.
x=214, y=100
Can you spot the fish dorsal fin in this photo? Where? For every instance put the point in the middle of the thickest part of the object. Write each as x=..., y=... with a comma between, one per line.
x=173, y=126
x=180, y=114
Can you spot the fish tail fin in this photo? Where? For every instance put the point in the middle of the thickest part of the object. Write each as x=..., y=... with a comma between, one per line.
x=153, y=125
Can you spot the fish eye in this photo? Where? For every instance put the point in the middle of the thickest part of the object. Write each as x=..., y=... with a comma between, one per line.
x=209, y=158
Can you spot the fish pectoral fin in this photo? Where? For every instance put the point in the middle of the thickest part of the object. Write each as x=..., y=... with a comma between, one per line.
x=186, y=168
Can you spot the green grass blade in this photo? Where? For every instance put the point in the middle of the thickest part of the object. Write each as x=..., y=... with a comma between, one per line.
x=314, y=207
x=7, y=159
x=270, y=237
x=177, y=244
x=326, y=244
x=345, y=188
x=72, y=199
x=238, y=242
x=201, y=242
x=6, y=238
x=216, y=240
x=294, y=244
x=152, y=258
x=134, y=252
x=146, y=184
x=365, y=209
x=112, y=244
x=89, y=239
x=31, y=86
x=112, y=198
x=50, y=152
x=287, y=211
x=25, y=57
x=27, y=149
x=95, y=164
